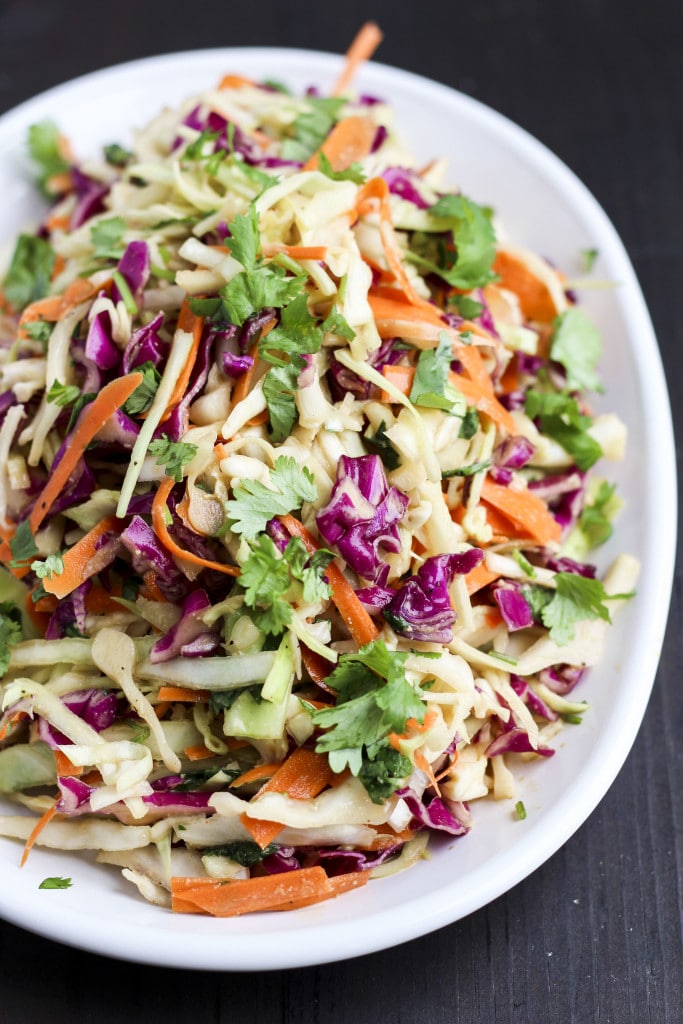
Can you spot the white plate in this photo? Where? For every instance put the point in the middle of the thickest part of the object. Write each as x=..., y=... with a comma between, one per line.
x=546, y=208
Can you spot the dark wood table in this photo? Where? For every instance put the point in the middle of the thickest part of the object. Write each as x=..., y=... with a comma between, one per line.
x=595, y=934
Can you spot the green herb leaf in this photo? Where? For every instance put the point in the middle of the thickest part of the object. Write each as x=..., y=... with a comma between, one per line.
x=56, y=883
x=560, y=418
x=575, y=599
x=471, y=470
x=116, y=155
x=470, y=424
x=577, y=345
x=270, y=581
x=53, y=565
x=30, y=271
x=353, y=173
x=173, y=455
x=588, y=257
x=244, y=240
x=520, y=810
x=44, y=150
x=242, y=851
x=466, y=306
x=474, y=239
x=312, y=127
x=380, y=443
x=107, y=238
x=22, y=545
x=143, y=396
x=431, y=388
x=385, y=773
x=254, y=290
x=279, y=388
x=10, y=632
x=596, y=519
x=253, y=504
x=63, y=394
x=39, y=330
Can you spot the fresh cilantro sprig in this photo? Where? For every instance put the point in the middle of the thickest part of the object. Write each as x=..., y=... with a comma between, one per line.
x=10, y=632
x=595, y=521
x=271, y=581
x=53, y=565
x=39, y=330
x=63, y=395
x=116, y=155
x=22, y=545
x=576, y=344
x=106, y=237
x=173, y=455
x=143, y=396
x=468, y=264
x=431, y=388
x=560, y=418
x=30, y=271
x=312, y=127
x=352, y=173
x=574, y=599
x=44, y=150
x=254, y=504
x=374, y=699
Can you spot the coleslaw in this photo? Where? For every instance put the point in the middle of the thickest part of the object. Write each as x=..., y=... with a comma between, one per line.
x=296, y=503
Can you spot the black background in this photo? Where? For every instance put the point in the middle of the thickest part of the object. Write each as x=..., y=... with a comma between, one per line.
x=595, y=934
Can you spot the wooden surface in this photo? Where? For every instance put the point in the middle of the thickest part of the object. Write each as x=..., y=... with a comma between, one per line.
x=595, y=934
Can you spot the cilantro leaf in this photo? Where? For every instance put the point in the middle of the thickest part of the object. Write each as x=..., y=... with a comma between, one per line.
x=143, y=396
x=560, y=418
x=173, y=455
x=470, y=423
x=253, y=504
x=107, y=238
x=297, y=333
x=116, y=155
x=44, y=150
x=30, y=271
x=352, y=173
x=53, y=565
x=431, y=388
x=576, y=598
x=380, y=443
x=63, y=394
x=22, y=545
x=474, y=240
x=279, y=388
x=595, y=521
x=374, y=698
x=56, y=883
x=383, y=774
x=254, y=290
x=270, y=581
x=39, y=330
x=312, y=127
x=466, y=306
x=577, y=345
x=10, y=632
x=244, y=240
x=243, y=851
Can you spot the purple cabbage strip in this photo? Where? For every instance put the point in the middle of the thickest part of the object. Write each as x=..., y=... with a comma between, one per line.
x=439, y=814
x=70, y=611
x=134, y=266
x=90, y=197
x=145, y=346
x=147, y=553
x=120, y=430
x=343, y=380
x=513, y=606
x=99, y=344
x=532, y=700
x=515, y=741
x=363, y=514
x=97, y=708
x=561, y=679
x=421, y=608
x=233, y=365
x=181, y=639
x=401, y=182
x=514, y=452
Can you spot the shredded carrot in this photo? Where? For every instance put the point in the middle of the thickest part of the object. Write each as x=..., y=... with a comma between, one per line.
x=57, y=222
x=423, y=764
x=82, y=561
x=13, y=719
x=401, y=377
x=151, y=587
x=483, y=399
x=535, y=299
x=243, y=896
x=38, y=828
x=350, y=140
x=94, y=416
x=194, y=325
x=296, y=252
x=479, y=577
x=525, y=509
x=302, y=776
x=198, y=752
x=357, y=619
x=65, y=767
x=317, y=667
x=56, y=307
x=58, y=267
x=337, y=885
x=161, y=530
x=39, y=613
x=161, y=709
x=234, y=82
x=261, y=417
x=361, y=49
x=99, y=602
x=183, y=694
x=256, y=774
x=493, y=618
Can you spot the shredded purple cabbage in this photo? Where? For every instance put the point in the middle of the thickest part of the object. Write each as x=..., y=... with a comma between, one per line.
x=421, y=608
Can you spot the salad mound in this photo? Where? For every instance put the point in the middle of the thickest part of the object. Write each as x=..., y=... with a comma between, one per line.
x=296, y=504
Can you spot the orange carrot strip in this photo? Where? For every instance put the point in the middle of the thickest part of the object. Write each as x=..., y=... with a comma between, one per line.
x=256, y=774
x=150, y=579
x=361, y=49
x=401, y=377
x=479, y=577
x=182, y=693
x=338, y=884
x=234, y=82
x=38, y=828
x=535, y=299
x=57, y=223
x=82, y=561
x=423, y=764
x=194, y=325
x=349, y=140
x=66, y=767
x=317, y=667
x=302, y=776
x=56, y=307
x=484, y=400
x=13, y=719
x=244, y=896
x=161, y=530
x=358, y=621
x=525, y=509
x=296, y=252
x=161, y=709
x=94, y=416
x=198, y=752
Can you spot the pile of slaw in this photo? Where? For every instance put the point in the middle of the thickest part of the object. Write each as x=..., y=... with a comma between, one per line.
x=315, y=573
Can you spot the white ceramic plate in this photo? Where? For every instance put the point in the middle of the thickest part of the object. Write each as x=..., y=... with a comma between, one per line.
x=546, y=208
